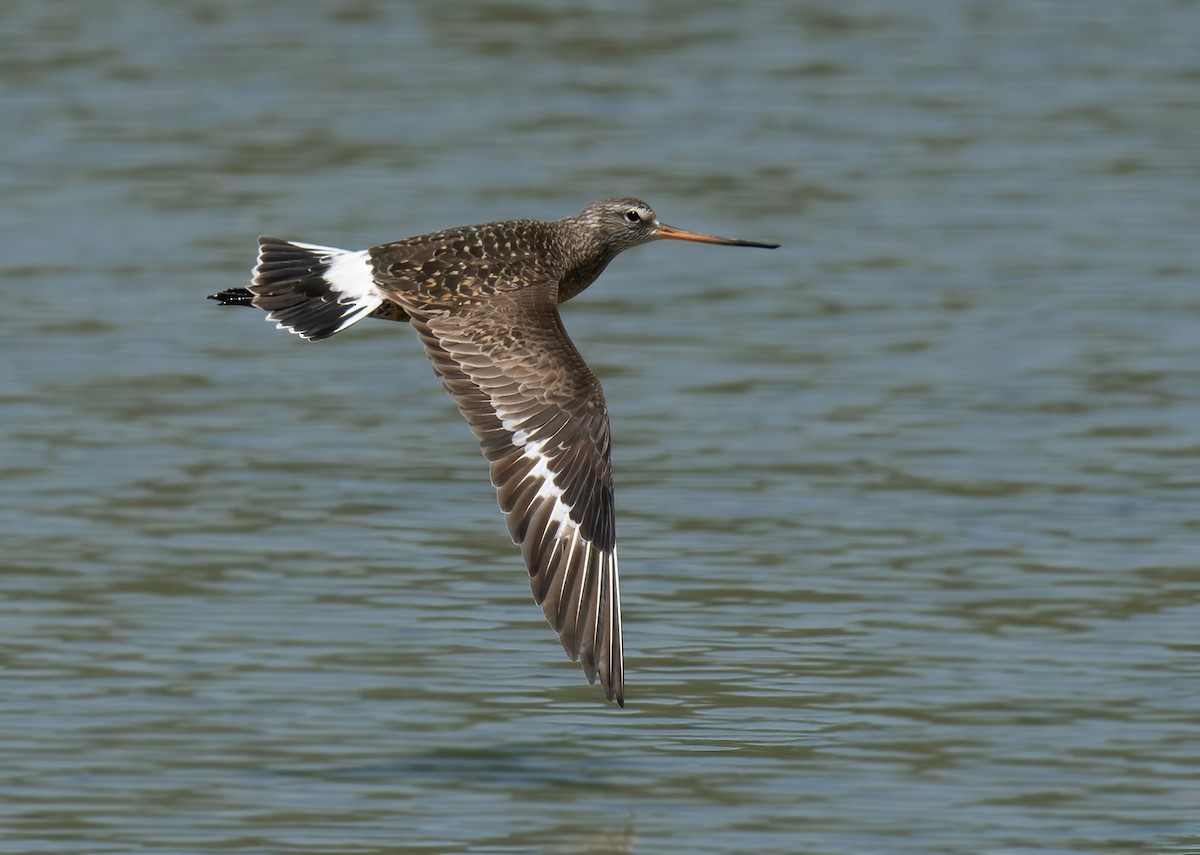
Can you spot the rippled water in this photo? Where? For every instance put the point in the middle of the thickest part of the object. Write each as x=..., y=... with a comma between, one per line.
x=909, y=509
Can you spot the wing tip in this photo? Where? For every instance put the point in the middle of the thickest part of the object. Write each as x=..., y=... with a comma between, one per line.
x=616, y=694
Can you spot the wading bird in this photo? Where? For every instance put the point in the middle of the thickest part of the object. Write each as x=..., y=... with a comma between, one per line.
x=484, y=301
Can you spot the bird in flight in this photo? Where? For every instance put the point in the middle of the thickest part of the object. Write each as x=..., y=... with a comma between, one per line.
x=484, y=302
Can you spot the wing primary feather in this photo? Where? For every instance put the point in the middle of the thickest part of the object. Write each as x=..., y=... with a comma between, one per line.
x=542, y=423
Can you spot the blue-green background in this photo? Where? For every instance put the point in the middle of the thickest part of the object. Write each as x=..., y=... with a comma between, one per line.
x=909, y=509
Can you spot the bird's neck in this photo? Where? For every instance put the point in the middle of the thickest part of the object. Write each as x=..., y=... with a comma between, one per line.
x=579, y=277
x=585, y=261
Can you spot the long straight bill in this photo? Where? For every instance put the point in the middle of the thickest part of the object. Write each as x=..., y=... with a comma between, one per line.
x=671, y=233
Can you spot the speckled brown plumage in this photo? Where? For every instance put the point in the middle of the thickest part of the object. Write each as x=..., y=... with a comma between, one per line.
x=484, y=301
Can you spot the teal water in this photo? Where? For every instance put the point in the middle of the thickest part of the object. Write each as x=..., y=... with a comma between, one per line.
x=909, y=509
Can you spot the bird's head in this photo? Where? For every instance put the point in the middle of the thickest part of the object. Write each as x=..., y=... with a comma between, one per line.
x=623, y=222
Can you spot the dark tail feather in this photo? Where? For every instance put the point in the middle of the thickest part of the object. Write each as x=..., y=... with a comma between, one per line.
x=312, y=291
x=233, y=297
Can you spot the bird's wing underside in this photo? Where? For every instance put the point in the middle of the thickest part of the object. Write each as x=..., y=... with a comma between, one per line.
x=540, y=416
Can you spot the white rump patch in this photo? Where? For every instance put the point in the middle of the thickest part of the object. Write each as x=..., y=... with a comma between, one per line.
x=349, y=273
x=351, y=279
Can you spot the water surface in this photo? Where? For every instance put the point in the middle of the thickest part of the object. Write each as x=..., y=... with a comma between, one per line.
x=908, y=508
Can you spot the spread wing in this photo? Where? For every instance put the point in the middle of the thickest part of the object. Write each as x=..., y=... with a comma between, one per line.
x=542, y=422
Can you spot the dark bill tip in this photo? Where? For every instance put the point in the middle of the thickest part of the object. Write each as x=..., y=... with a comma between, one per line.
x=671, y=233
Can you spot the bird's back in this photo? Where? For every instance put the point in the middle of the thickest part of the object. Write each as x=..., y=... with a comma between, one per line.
x=465, y=265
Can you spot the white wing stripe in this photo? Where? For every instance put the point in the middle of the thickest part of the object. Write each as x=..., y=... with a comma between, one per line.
x=568, y=550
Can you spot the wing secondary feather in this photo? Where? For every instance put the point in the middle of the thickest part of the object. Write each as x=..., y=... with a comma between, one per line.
x=542, y=423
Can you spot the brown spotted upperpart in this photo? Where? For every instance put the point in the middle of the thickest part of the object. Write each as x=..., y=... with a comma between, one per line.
x=484, y=301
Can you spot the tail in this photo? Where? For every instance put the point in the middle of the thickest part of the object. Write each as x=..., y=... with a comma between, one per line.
x=312, y=291
x=233, y=297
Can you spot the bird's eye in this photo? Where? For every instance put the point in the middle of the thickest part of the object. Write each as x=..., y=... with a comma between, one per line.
x=633, y=216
